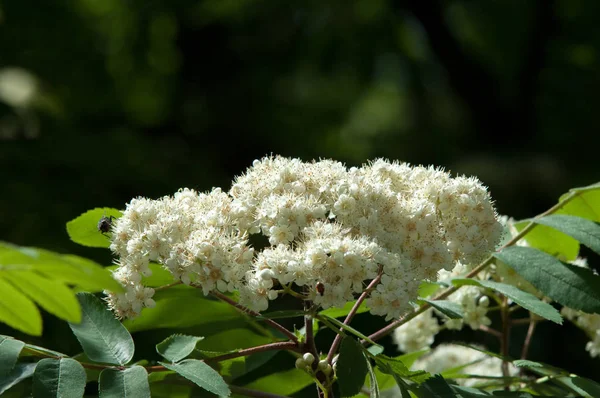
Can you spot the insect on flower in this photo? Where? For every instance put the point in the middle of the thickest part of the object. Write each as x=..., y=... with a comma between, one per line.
x=105, y=223
x=320, y=288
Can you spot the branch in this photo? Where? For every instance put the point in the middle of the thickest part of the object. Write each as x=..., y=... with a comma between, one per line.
x=282, y=345
x=505, y=340
x=271, y=322
x=363, y=296
x=527, y=342
x=491, y=331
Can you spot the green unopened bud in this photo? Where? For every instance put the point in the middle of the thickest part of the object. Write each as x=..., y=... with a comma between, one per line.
x=325, y=367
x=308, y=358
x=484, y=301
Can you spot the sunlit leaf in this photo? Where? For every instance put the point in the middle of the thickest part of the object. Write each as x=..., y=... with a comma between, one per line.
x=66, y=268
x=283, y=383
x=84, y=229
x=550, y=241
x=585, y=204
x=583, y=230
x=49, y=294
x=17, y=311
x=188, y=307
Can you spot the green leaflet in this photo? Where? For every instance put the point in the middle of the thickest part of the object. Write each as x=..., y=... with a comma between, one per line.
x=9, y=353
x=583, y=230
x=285, y=383
x=178, y=346
x=103, y=338
x=201, y=374
x=585, y=203
x=20, y=372
x=127, y=383
x=51, y=295
x=451, y=309
x=65, y=268
x=373, y=384
x=352, y=367
x=17, y=311
x=567, y=284
x=60, y=378
x=550, y=240
x=582, y=202
x=84, y=229
x=524, y=299
x=181, y=307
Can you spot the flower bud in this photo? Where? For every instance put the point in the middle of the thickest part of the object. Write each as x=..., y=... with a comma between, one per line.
x=484, y=301
x=325, y=367
x=308, y=358
x=323, y=364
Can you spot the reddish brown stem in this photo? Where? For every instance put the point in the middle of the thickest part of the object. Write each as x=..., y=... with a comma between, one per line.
x=491, y=331
x=283, y=345
x=243, y=309
x=363, y=296
x=521, y=321
x=505, y=340
x=528, y=337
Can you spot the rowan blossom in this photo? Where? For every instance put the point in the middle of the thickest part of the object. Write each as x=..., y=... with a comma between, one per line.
x=325, y=224
x=473, y=362
x=417, y=334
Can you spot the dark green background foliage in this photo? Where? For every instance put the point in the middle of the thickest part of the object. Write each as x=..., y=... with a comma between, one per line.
x=144, y=97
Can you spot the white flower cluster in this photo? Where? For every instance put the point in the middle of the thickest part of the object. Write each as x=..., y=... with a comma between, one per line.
x=326, y=225
x=190, y=234
x=460, y=359
x=453, y=356
x=418, y=333
x=472, y=299
x=590, y=324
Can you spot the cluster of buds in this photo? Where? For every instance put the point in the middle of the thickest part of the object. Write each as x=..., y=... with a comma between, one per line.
x=306, y=362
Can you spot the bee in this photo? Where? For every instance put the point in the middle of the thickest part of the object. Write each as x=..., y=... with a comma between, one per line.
x=105, y=224
x=320, y=288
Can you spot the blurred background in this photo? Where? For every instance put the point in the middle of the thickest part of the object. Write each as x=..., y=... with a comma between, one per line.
x=105, y=100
